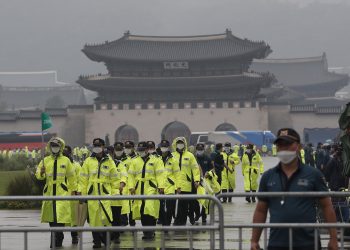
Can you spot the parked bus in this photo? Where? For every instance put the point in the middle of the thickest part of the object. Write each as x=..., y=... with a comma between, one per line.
x=257, y=138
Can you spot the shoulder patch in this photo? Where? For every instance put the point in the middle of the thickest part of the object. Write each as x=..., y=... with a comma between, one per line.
x=63, y=166
x=151, y=164
x=105, y=167
x=186, y=159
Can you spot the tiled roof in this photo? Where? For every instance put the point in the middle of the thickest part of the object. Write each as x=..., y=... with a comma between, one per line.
x=299, y=71
x=190, y=48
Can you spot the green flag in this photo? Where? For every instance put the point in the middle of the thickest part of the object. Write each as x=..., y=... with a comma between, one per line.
x=45, y=121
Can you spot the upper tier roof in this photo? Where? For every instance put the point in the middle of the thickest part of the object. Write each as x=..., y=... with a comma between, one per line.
x=295, y=72
x=176, y=48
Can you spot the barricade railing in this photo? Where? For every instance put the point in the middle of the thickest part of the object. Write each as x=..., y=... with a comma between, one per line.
x=211, y=227
x=290, y=226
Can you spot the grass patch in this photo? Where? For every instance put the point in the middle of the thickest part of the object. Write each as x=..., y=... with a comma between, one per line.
x=7, y=176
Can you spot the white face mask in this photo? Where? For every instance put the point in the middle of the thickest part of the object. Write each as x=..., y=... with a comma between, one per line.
x=128, y=151
x=180, y=146
x=151, y=151
x=118, y=153
x=286, y=157
x=227, y=149
x=164, y=149
x=97, y=150
x=200, y=152
x=55, y=150
x=142, y=153
x=248, y=151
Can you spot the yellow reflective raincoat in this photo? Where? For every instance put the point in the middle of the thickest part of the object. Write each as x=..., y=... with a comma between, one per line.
x=228, y=179
x=188, y=166
x=251, y=169
x=59, y=175
x=146, y=177
x=99, y=178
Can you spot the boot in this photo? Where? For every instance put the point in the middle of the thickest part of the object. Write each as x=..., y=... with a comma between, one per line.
x=247, y=198
x=253, y=198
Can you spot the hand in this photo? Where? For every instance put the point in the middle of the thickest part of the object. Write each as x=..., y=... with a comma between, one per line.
x=196, y=184
x=254, y=246
x=161, y=190
x=333, y=244
x=178, y=191
x=121, y=190
x=132, y=190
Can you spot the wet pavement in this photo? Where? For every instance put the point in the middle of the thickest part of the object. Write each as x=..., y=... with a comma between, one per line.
x=239, y=211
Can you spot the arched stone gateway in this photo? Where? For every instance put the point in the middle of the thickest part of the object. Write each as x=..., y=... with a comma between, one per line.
x=226, y=127
x=175, y=129
x=126, y=133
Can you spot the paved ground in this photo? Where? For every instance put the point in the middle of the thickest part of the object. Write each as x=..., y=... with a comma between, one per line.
x=236, y=212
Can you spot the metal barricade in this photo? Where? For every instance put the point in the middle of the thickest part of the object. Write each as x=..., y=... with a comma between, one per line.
x=290, y=226
x=212, y=227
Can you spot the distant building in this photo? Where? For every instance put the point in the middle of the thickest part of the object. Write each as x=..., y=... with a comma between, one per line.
x=37, y=90
x=308, y=76
x=174, y=71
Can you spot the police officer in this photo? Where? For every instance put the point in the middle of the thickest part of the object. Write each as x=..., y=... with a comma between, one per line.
x=58, y=173
x=153, y=152
x=73, y=204
x=99, y=176
x=252, y=165
x=117, y=205
x=172, y=169
x=203, y=159
x=146, y=177
x=228, y=183
x=189, y=173
x=129, y=150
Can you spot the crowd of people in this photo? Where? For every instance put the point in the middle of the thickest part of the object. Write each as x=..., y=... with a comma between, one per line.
x=144, y=168
x=147, y=168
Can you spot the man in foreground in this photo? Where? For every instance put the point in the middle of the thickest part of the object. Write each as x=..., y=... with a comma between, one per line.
x=290, y=175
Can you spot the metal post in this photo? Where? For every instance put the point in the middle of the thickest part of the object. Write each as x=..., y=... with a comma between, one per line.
x=265, y=238
x=53, y=240
x=162, y=240
x=80, y=240
x=316, y=238
x=342, y=238
x=191, y=239
x=212, y=222
x=290, y=238
x=240, y=243
x=25, y=240
x=108, y=240
x=134, y=234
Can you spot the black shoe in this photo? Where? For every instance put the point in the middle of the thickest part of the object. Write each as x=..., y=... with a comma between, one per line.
x=253, y=199
x=192, y=221
x=197, y=217
x=75, y=240
x=229, y=200
x=247, y=199
x=97, y=245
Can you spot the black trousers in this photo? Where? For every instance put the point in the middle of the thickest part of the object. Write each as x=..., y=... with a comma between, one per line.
x=117, y=220
x=185, y=208
x=99, y=237
x=59, y=236
x=162, y=214
x=170, y=212
x=147, y=220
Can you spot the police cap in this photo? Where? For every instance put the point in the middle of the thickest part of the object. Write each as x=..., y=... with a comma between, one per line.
x=129, y=144
x=142, y=145
x=98, y=142
x=200, y=146
x=118, y=145
x=287, y=135
x=164, y=143
x=151, y=144
x=227, y=144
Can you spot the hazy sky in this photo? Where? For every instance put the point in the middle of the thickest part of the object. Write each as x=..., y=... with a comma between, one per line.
x=49, y=35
